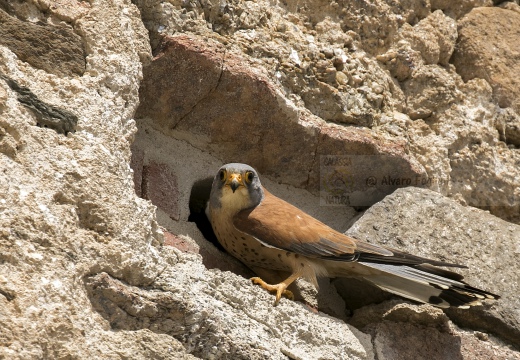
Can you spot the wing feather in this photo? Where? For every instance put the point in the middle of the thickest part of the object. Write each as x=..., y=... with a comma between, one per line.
x=268, y=223
x=402, y=258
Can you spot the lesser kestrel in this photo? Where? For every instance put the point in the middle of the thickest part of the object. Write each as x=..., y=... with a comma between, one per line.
x=262, y=230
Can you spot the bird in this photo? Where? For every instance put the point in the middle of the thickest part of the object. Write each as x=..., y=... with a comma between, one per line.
x=264, y=231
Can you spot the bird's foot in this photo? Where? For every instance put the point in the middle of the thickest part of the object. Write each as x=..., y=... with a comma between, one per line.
x=279, y=288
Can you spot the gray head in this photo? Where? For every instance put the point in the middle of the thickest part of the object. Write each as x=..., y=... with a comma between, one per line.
x=236, y=187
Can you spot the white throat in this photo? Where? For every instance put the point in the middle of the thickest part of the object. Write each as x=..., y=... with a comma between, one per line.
x=234, y=202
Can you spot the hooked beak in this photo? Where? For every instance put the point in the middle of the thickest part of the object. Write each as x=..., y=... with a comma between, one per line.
x=234, y=185
x=234, y=181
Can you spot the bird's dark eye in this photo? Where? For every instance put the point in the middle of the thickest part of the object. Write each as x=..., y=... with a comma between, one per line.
x=222, y=175
x=249, y=177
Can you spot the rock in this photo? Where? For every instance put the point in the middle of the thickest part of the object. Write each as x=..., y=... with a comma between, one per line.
x=424, y=223
x=68, y=208
x=309, y=81
x=159, y=185
x=406, y=331
x=55, y=49
x=48, y=116
x=433, y=37
x=457, y=136
x=460, y=8
x=486, y=49
x=194, y=305
x=317, y=96
x=429, y=89
x=206, y=116
x=482, y=159
x=321, y=62
x=508, y=124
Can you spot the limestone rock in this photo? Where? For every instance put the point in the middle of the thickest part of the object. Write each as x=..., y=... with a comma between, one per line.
x=67, y=207
x=406, y=331
x=55, y=49
x=256, y=132
x=195, y=306
x=88, y=269
x=487, y=48
x=301, y=57
x=433, y=37
x=429, y=89
x=424, y=223
x=508, y=124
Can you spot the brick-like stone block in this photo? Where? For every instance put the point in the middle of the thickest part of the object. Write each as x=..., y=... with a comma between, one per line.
x=159, y=185
x=179, y=243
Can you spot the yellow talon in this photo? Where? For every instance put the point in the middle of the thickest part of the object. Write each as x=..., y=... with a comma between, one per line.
x=279, y=288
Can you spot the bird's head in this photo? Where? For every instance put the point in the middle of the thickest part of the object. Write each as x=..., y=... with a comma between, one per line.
x=236, y=187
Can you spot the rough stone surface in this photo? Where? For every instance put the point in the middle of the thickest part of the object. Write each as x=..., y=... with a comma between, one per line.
x=90, y=270
x=508, y=125
x=258, y=330
x=384, y=67
x=433, y=37
x=159, y=185
x=404, y=331
x=68, y=208
x=493, y=56
x=55, y=49
x=457, y=9
x=423, y=222
x=206, y=116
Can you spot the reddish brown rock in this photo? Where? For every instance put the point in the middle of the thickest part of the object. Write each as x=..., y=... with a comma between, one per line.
x=159, y=185
x=457, y=9
x=230, y=108
x=179, y=243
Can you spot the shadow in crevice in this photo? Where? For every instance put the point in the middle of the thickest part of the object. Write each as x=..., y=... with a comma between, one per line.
x=129, y=308
x=124, y=306
x=199, y=197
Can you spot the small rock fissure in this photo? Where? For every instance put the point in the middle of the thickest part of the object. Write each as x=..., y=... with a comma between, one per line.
x=212, y=90
x=7, y=295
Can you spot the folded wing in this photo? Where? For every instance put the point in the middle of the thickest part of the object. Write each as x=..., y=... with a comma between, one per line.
x=268, y=223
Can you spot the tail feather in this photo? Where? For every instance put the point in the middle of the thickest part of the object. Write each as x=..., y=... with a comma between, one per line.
x=426, y=285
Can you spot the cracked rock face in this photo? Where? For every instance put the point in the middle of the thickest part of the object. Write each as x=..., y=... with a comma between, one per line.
x=257, y=131
x=401, y=76
x=100, y=254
